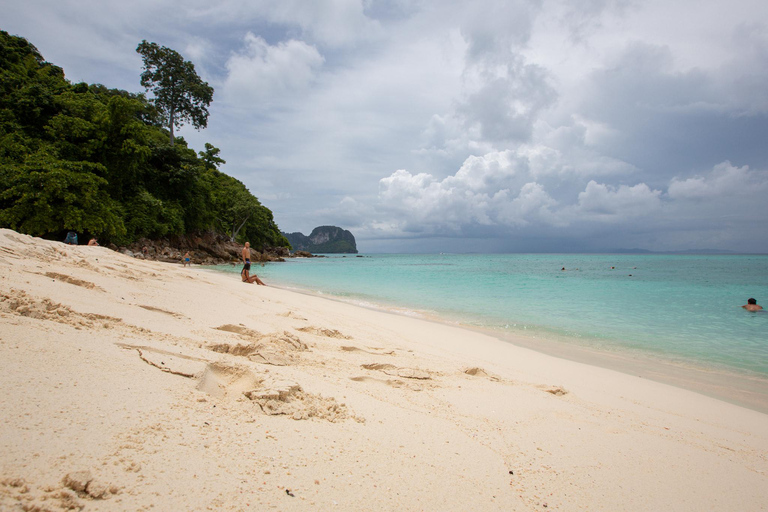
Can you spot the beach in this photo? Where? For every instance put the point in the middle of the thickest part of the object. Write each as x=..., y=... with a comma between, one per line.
x=139, y=385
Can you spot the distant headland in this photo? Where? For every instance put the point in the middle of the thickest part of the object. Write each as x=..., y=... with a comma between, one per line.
x=324, y=240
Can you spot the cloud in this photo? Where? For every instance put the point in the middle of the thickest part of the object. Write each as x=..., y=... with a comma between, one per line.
x=723, y=180
x=332, y=22
x=611, y=123
x=261, y=75
x=610, y=204
x=663, y=119
x=499, y=189
x=505, y=98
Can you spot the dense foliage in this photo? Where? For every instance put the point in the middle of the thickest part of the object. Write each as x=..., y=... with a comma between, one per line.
x=98, y=161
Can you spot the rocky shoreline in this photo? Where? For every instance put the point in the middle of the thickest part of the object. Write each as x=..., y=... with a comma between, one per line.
x=204, y=249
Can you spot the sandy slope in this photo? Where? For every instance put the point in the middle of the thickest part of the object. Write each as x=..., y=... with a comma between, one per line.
x=133, y=385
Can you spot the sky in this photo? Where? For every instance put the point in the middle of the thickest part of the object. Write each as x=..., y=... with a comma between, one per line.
x=463, y=126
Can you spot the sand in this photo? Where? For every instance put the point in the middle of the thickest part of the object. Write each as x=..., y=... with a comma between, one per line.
x=136, y=385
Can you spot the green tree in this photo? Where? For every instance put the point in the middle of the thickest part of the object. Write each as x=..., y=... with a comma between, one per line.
x=180, y=94
x=236, y=206
x=210, y=156
x=45, y=195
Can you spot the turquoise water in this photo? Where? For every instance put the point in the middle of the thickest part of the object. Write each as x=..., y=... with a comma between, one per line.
x=680, y=308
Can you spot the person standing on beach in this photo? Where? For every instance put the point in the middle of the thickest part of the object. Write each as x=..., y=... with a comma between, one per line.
x=751, y=305
x=186, y=259
x=245, y=273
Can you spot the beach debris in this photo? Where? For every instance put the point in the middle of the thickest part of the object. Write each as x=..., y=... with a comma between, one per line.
x=289, y=493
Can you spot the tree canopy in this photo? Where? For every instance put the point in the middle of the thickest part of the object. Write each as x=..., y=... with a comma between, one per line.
x=98, y=161
x=179, y=93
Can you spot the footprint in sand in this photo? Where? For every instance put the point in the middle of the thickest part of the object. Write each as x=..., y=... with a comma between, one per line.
x=273, y=396
x=177, y=364
x=158, y=310
x=18, y=302
x=389, y=382
x=221, y=379
x=239, y=329
x=277, y=349
x=476, y=371
x=72, y=280
x=289, y=399
x=554, y=390
x=395, y=371
x=292, y=314
x=370, y=350
x=328, y=333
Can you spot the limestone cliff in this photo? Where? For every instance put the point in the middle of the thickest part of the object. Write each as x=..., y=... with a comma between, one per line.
x=324, y=239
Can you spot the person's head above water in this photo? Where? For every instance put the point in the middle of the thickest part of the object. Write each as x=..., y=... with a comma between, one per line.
x=751, y=301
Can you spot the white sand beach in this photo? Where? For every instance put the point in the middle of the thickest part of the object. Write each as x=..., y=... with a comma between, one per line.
x=138, y=385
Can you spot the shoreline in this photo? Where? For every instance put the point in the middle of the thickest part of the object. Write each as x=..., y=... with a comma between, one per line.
x=138, y=385
x=744, y=389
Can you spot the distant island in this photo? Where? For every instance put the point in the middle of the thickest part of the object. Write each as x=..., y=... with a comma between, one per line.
x=324, y=240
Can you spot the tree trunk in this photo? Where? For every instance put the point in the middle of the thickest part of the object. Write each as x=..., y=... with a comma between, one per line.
x=236, y=231
x=172, y=112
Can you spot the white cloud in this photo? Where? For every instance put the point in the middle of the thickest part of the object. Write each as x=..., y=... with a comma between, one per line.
x=263, y=73
x=333, y=22
x=723, y=182
x=604, y=202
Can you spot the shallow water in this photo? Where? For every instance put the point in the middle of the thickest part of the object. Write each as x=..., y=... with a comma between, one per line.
x=684, y=309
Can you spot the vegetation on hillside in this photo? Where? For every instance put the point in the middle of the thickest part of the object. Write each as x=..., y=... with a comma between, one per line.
x=324, y=240
x=100, y=162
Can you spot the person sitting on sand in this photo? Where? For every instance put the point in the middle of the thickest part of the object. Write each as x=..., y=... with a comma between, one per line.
x=186, y=259
x=250, y=279
x=751, y=305
x=93, y=241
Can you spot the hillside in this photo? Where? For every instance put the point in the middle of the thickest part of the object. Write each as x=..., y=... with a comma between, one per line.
x=98, y=161
x=325, y=240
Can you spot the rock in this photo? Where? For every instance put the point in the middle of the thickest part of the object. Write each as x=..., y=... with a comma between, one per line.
x=324, y=239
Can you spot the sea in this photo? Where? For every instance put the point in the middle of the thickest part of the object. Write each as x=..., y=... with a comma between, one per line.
x=681, y=311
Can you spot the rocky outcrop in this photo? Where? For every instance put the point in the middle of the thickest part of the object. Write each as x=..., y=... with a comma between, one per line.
x=324, y=239
x=204, y=249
